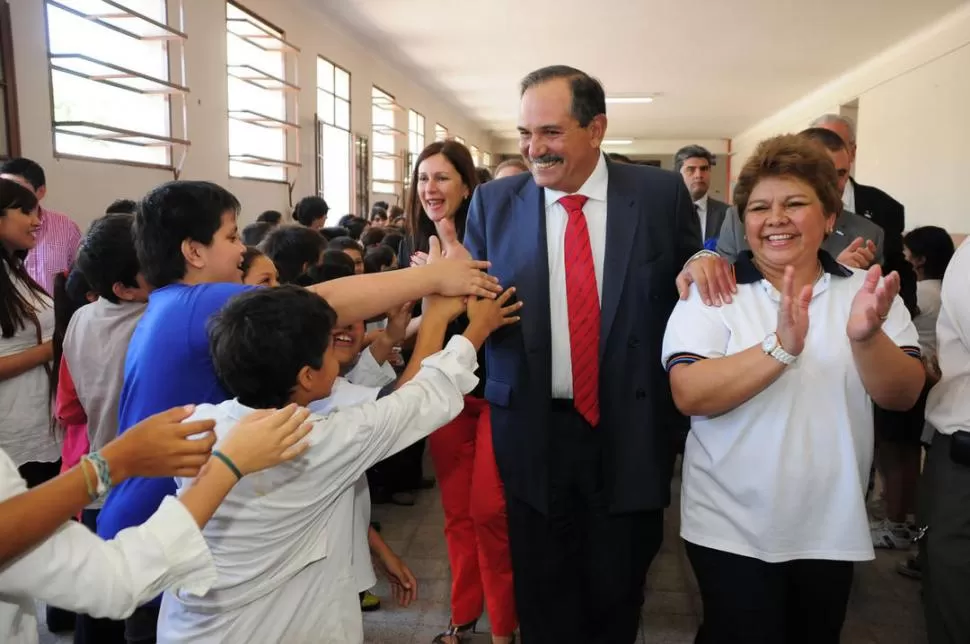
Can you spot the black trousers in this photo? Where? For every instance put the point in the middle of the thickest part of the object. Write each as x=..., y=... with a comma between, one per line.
x=749, y=601
x=92, y=630
x=579, y=570
x=944, y=507
x=35, y=473
x=401, y=472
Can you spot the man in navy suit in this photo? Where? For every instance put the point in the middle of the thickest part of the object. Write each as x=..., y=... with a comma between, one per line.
x=582, y=417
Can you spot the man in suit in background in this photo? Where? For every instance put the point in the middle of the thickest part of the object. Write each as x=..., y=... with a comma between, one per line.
x=694, y=164
x=877, y=206
x=581, y=408
x=898, y=451
x=854, y=240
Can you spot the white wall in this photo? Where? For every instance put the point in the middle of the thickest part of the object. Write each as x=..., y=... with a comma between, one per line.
x=84, y=188
x=913, y=126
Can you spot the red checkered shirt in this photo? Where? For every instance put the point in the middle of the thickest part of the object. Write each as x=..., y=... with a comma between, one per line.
x=57, y=242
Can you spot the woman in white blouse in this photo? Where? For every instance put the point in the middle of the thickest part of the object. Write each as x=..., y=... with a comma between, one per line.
x=46, y=557
x=780, y=384
x=26, y=327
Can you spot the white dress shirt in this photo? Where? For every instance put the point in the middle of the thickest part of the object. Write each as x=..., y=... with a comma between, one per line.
x=595, y=189
x=701, y=207
x=848, y=197
x=283, y=539
x=77, y=570
x=948, y=403
x=361, y=385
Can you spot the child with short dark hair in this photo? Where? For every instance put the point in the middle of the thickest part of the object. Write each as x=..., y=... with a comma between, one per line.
x=95, y=344
x=294, y=250
x=258, y=269
x=286, y=539
x=188, y=247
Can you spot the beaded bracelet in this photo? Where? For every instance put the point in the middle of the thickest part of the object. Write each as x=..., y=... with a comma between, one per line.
x=92, y=488
x=104, y=473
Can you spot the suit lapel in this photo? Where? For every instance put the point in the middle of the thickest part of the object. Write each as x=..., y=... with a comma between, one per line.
x=621, y=228
x=528, y=252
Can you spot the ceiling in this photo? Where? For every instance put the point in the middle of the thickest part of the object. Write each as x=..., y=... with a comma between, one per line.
x=719, y=67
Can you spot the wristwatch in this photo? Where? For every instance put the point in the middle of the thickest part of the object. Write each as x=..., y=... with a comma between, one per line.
x=773, y=348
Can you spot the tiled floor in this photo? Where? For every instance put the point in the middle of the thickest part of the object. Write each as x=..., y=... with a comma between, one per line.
x=884, y=608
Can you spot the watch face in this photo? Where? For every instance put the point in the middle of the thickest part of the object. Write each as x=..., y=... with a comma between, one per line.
x=770, y=343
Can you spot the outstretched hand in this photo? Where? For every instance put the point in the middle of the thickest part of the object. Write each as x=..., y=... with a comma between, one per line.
x=461, y=275
x=872, y=304
x=161, y=445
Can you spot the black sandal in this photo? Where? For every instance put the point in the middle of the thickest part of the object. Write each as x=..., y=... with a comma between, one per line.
x=457, y=632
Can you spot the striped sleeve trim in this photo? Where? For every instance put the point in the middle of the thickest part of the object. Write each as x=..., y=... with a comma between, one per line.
x=684, y=357
x=912, y=351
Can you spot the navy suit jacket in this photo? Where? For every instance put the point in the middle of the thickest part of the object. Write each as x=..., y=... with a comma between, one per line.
x=651, y=231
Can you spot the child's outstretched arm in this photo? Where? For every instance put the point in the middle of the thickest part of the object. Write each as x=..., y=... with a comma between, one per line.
x=361, y=297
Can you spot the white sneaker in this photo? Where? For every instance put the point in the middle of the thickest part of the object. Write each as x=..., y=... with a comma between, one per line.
x=891, y=535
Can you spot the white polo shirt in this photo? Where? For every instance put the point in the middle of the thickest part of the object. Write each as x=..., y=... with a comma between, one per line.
x=948, y=403
x=782, y=476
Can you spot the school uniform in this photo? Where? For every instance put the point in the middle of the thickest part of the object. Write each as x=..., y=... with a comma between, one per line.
x=283, y=539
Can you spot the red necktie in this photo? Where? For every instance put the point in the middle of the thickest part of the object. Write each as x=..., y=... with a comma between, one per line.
x=583, y=304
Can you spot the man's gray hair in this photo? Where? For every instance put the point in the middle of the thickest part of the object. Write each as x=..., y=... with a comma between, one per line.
x=836, y=118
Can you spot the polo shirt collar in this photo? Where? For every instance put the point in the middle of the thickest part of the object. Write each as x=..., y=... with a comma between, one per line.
x=745, y=271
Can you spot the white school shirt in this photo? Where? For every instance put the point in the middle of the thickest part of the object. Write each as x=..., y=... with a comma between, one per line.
x=77, y=570
x=782, y=476
x=25, y=406
x=282, y=540
x=595, y=189
x=347, y=392
x=948, y=403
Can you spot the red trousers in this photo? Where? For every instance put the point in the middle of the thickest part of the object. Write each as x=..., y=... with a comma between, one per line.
x=476, y=526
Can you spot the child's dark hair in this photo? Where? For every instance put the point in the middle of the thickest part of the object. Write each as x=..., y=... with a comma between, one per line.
x=70, y=294
x=373, y=237
x=262, y=339
x=16, y=309
x=125, y=206
x=172, y=213
x=378, y=258
x=107, y=256
x=934, y=245
x=310, y=209
x=249, y=256
x=293, y=249
x=335, y=264
x=393, y=241
x=254, y=234
x=30, y=170
x=357, y=226
x=271, y=217
x=332, y=232
x=344, y=243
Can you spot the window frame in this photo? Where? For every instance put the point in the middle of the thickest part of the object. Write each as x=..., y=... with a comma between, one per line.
x=11, y=122
x=179, y=92
x=321, y=124
x=440, y=132
x=397, y=156
x=416, y=133
x=290, y=88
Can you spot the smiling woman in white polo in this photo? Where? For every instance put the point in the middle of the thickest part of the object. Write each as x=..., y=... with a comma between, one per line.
x=780, y=384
